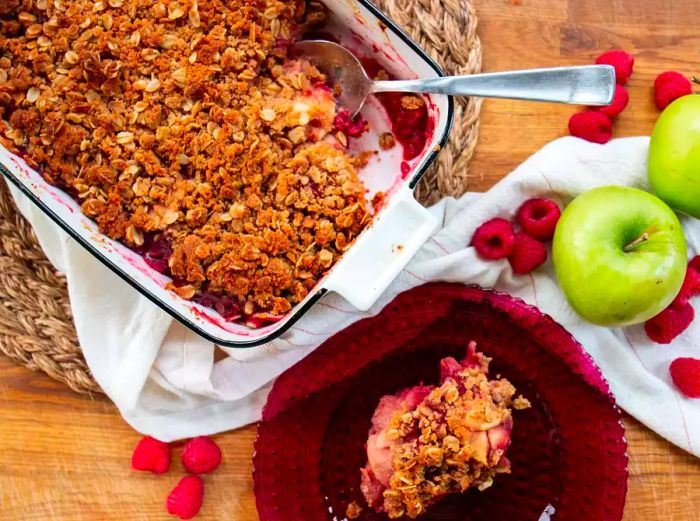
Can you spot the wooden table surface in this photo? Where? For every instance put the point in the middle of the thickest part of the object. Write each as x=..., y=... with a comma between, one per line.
x=66, y=457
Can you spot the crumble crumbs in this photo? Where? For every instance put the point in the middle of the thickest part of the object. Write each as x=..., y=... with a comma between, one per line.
x=387, y=141
x=381, y=75
x=412, y=102
x=184, y=121
x=521, y=403
x=353, y=511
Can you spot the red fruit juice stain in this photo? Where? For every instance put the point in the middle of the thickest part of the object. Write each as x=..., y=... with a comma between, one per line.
x=207, y=318
x=254, y=323
x=405, y=169
x=57, y=198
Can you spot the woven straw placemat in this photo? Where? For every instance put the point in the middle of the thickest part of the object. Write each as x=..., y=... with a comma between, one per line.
x=36, y=325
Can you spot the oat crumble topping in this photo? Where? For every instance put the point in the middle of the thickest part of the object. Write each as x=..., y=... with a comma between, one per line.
x=184, y=123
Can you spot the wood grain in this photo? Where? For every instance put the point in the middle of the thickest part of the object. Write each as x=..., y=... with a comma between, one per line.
x=66, y=457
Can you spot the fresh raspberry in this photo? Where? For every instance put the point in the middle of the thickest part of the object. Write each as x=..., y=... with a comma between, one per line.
x=622, y=61
x=669, y=86
x=668, y=77
x=619, y=102
x=538, y=218
x=670, y=323
x=692, y=281
x=528, y=254
x=593, y=126
x=694, y=263
x=494, y=239
x=185, y=500
x=201, y=455
x=685, y=373
x=151, y=455
x=690, y=287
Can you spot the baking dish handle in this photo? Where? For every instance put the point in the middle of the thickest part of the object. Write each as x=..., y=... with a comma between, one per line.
x=382, y=251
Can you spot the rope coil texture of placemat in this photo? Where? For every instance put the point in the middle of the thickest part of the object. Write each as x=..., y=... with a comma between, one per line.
x=36, y=325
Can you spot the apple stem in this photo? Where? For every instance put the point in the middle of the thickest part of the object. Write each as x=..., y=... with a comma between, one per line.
x=695, y=80
x=639, y=240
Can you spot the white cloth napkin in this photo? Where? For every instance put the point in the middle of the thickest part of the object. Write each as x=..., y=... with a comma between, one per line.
x=166, y=383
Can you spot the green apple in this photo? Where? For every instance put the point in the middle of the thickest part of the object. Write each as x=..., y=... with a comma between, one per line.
x=619, y=254
x=674, y=155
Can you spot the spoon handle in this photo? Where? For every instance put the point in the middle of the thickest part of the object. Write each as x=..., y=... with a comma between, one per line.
x=581, y=85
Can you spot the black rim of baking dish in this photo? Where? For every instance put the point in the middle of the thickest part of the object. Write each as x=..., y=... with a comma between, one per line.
x=297, y=314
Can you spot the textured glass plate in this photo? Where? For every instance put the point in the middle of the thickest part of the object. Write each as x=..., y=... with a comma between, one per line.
x=568, y=451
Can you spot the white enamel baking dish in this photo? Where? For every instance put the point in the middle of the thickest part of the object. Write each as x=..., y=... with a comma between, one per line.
x=377, y=256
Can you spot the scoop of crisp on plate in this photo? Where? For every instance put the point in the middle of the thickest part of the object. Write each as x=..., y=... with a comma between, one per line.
x=430, y=441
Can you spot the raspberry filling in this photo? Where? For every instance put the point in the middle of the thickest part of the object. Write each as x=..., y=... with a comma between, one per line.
x=410, y=124
x=353, y=127
x=224, y=305
x=156, y=253
x=233, y=311
x=227, y=308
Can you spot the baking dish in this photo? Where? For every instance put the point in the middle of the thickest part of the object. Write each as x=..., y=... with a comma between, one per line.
x=396, y=232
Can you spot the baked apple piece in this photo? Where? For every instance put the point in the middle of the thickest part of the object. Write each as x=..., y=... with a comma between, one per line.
x=429, y=441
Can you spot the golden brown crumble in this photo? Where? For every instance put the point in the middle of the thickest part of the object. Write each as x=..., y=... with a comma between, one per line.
x=387, y=141
x=412, y=102
x=353, y=511
x=521, y=403
x=463, y=430
x=185, y=120
x=381, y=75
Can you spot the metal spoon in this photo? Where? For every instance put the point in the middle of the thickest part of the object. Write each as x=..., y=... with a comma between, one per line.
x=580, y=85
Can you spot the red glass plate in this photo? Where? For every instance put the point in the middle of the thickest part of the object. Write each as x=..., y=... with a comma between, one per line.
x=568, y=451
